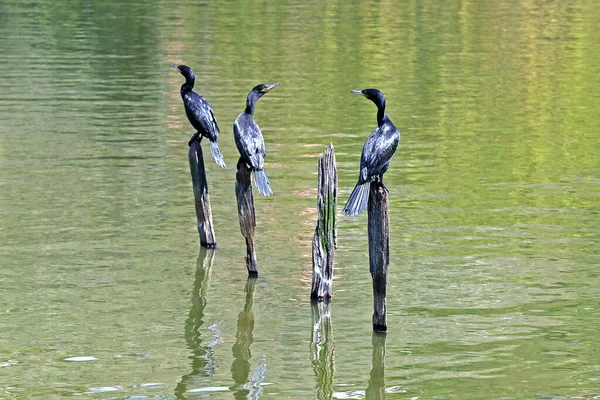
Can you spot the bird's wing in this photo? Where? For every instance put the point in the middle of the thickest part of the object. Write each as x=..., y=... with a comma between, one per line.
x=377, y=152
x=250, y=143
x=201, y=116
x=214, y=120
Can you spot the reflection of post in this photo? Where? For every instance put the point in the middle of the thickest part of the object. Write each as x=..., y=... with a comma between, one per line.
x=246, y=213
x=240, y=368
x=322, y=349
x=376, y=388
x=202, y=355
x=202, y=200
x=324, y=240
x=379, y=251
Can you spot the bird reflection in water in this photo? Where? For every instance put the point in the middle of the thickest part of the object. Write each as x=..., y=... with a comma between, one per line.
x=246, y=387
x=203, y=363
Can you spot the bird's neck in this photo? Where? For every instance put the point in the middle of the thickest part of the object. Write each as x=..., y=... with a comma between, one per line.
x=188, y=85
x=251, y=102
x=380, y=114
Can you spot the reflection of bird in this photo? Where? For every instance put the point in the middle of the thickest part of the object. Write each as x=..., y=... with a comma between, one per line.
x=200, y=114
x=376, y=154
x=249, y=140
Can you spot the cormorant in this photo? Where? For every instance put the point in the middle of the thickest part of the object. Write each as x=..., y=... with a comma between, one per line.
x=249, y=139
x=376, y=154
x=200, y=114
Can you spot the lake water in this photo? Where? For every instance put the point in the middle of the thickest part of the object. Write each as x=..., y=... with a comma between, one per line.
x=494, y=195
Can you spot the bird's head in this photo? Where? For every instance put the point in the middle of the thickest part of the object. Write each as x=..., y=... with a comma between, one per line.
x=264, y=88
x=185, y=71
x=256, y=93
x=374, y=95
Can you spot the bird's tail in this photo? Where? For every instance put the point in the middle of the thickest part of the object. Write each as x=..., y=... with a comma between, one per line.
x=358, y=199
x=262, y=182
x=216, y=153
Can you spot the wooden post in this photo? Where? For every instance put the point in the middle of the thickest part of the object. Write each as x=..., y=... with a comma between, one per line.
x=322, y=349
x=325, y=238
x=203, y=213
x=246, y=213
x=379, y=251
x=376, y=388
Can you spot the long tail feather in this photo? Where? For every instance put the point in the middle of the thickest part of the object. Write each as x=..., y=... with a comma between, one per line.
x=216, y=153
x=358, y=199
x=262, y=182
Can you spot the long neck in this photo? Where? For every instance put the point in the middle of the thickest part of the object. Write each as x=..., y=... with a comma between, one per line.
x=251, y=102
x=188, y=85
x=380, y=112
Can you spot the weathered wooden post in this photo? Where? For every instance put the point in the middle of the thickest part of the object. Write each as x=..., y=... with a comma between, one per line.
x=325, y=238
x=376, y=388
x=322, y=349
x=202, y=200
x=379, y=251
x=246, y=213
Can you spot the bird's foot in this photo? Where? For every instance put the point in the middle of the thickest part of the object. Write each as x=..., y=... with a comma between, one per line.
x=195, y=136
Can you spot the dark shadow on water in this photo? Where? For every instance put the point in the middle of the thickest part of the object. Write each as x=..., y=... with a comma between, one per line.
x=322, y=349
x=376, y=388
x=203, y=364
x=246, y=387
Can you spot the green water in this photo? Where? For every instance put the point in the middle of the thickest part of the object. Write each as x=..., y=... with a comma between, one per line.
x=494, y=195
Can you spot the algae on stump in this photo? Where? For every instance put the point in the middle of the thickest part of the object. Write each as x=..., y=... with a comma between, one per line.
x=325, y=238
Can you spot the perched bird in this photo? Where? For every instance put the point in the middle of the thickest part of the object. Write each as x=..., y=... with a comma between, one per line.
x=200, y=114
x=376, y=154
x=249, y=139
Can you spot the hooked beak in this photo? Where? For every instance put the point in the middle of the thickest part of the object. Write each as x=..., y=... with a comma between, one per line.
x=357, y=92
x=269, y=87
x=175, y=67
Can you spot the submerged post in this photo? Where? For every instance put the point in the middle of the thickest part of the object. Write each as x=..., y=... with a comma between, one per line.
x=202, y=200
x=379, y=251
x=246, y=213
x=325, y=238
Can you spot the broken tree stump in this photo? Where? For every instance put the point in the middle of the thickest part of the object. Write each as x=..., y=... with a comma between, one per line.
x=379, y=251
x=202, y=200
x=325, y=238
x=246, y=213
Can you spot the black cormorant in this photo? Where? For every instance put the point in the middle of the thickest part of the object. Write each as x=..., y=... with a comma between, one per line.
x=249, y=140
x=200, y=114
x=376, y=154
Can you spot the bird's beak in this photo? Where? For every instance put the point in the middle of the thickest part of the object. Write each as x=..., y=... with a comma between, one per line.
x=269, y=87
x=357, y=92
x=175, y=67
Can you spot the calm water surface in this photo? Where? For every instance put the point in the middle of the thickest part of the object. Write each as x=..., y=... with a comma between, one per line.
x=495, y=189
